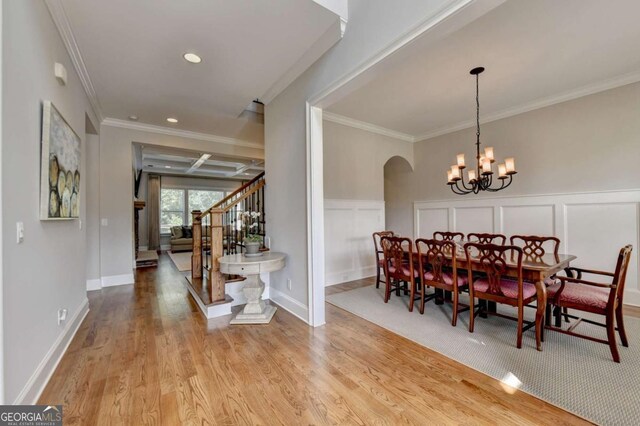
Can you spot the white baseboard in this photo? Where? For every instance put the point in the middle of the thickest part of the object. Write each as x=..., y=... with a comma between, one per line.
x=352, y=275
x=94, y=284
x=39, y=379
x=114, y=280
x=290, y=304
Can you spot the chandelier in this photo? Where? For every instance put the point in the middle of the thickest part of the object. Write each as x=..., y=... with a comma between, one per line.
x=480, y=178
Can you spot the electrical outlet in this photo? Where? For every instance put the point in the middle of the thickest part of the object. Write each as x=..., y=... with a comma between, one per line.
x=62, y=316
x=289, y=284
x=104, y=221
x=79, y=223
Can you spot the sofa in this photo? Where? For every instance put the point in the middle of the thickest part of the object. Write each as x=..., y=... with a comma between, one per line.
x=182, y=240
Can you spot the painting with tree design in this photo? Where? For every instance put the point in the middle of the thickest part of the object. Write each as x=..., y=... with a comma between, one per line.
x=60, y=167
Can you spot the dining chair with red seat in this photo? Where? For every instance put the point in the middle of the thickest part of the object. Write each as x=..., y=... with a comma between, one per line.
x=377, y=236
x=496, y=286
x=448, y=236
x=484, y=238
x=604, y=299
x=399, y=267
x=438, y=268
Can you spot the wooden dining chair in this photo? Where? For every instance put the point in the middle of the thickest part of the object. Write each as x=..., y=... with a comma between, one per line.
x=484, y=238
x=438, y=268
x=496, y=286
x=594, y=297
x=399, y=268
x=448, y=236
x=377, y=236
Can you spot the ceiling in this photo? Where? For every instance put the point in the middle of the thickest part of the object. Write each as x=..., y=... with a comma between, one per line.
x=132, y=51
x=533, y=52
x=175, y=161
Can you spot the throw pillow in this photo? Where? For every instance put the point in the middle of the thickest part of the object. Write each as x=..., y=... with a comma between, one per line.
x=186, y=232
x=176, y=231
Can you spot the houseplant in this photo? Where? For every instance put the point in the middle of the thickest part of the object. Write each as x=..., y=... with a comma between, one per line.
x=252, y=241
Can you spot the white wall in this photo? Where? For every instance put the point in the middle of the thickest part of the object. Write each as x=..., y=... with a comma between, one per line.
x=354, y=163
x=92, y=220
x=373, y=24
x=47, y=271
x=116, y=191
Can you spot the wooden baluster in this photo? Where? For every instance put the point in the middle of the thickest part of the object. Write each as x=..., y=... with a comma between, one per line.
x=216, y=278
x=196, y=255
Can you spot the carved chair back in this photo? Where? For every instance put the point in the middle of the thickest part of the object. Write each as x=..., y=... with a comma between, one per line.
x=398, y=252
x=448, y=236
x=620, y=275
x=377, y=236
x=437, y=256
x=491, y=259
x=534, y=247
x=484, y=238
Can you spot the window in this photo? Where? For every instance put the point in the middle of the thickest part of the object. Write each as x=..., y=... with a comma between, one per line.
x=173, y=203
x=171, y=209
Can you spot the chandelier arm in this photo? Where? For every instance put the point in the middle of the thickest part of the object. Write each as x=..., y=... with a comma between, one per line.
x=457, y=190
x=464, y=185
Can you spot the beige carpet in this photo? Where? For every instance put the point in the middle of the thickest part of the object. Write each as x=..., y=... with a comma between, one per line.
x=182, y=260
x=574, y=374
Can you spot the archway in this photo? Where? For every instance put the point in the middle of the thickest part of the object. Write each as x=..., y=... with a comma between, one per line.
x=398, y=173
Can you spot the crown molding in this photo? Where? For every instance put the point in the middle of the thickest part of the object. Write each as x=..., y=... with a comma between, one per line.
x=123, y=124
x=580, y=92
x=362, y=125
x=61, y=21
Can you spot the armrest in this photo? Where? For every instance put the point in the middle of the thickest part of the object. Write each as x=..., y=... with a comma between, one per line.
x=580, y=281
x=580, y=271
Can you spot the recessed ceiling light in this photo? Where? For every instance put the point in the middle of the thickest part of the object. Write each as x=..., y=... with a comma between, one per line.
x=133, y=117
x=172, y=120
x=192, y=57
x=167, y=167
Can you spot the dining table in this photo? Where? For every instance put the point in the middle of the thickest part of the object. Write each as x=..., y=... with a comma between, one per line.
x=535, y=269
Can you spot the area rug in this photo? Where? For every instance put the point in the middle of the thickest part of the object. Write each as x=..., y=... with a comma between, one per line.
x=182, y=260
x=574, y=374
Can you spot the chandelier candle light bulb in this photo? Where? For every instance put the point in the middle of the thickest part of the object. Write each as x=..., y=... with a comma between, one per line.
x=480, y=176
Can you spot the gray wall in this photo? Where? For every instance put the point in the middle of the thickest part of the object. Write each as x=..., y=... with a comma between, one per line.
x=354, y=161
x=47, y=271
x=587, y=144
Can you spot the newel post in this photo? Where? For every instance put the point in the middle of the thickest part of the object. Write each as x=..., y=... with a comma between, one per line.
x=216, y=278
x=196, y=255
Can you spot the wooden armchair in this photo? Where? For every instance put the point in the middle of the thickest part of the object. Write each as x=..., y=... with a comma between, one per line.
x=594, y=297
x=497, y=286
x=484, y=238
x=377, y=236
x=399, y=267
x=438, y=268
x=448, y=236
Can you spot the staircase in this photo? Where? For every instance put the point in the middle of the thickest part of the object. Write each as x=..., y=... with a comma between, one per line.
x=217, y=232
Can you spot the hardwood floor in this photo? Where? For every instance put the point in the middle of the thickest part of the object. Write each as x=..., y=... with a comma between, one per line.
x=145, y=355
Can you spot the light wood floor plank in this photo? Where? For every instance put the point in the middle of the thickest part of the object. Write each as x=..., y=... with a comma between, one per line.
x=145, y=355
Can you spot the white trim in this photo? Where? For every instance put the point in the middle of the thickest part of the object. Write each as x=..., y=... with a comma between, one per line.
x=289, y=304
x=1, y=214
x=61, y=21
x=362, y=125
x=569, y=95
x=40, y=377
x=114, y=280
x=210, y=311
x=94, y=284
x=187, y=134
x=315, y=221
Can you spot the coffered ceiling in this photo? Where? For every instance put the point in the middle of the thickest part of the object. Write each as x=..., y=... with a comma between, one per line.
x=535, y=53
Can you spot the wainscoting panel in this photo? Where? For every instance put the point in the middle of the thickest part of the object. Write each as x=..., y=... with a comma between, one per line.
x=593, y=226
x=348, y=225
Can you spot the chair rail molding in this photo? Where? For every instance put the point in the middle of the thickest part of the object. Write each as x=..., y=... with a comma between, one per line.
x=590, y=225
